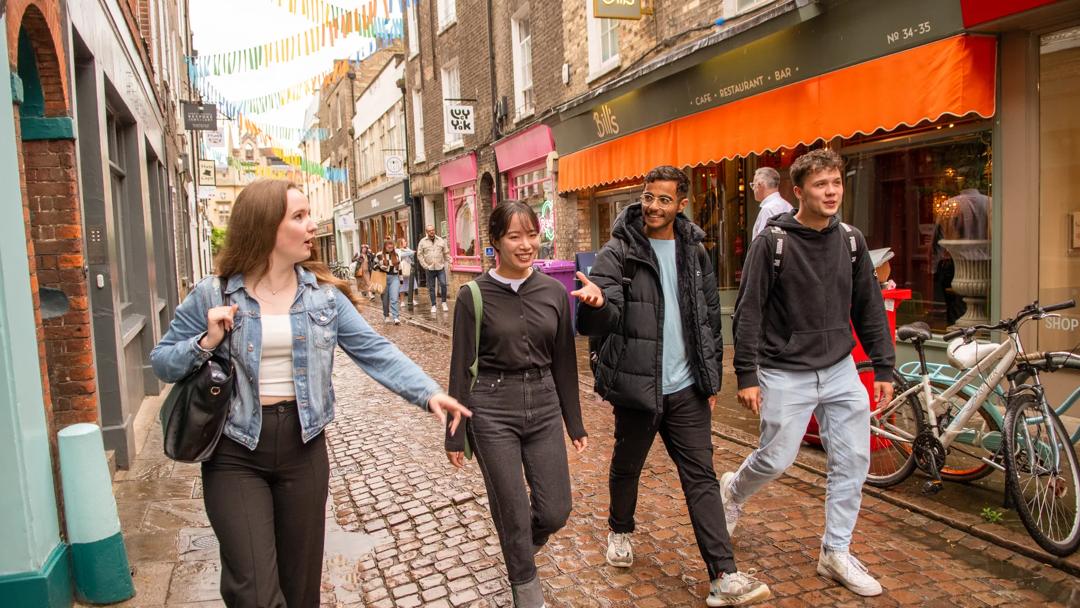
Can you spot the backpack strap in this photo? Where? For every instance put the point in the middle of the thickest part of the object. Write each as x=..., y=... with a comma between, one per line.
x=474, y=369
x=853, y=242
x=778, y=249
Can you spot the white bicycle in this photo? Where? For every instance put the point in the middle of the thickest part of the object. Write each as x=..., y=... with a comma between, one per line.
x=925, y=427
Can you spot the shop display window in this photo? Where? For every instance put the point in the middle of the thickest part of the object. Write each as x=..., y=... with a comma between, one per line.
x=931, y=204
x=464, y=233
x=1059, y=207
x=534, y=186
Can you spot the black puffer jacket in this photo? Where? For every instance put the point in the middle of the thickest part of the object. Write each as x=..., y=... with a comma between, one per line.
x=630, y=366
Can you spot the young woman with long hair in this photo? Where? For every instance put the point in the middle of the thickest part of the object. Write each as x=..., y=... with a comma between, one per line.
x=388, y=261
x=282, y=313
x=525, y=390
x=362, y=273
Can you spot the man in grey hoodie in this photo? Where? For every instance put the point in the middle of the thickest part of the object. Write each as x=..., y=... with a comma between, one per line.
x=807, y=279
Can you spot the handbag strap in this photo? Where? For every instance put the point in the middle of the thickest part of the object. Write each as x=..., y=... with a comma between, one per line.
x=227, y=340
x=478, y=311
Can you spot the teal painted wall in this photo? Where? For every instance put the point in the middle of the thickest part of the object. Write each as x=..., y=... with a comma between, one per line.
x=28, y=521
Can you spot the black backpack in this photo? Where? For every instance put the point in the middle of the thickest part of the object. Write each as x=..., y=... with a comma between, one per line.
x=779, y=233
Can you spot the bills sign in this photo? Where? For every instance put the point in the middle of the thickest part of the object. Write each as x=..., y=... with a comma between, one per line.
x=200, y=117
x=617, y=9
x=460, y=120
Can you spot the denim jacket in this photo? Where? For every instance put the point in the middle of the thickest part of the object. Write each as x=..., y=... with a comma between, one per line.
x=322, y=318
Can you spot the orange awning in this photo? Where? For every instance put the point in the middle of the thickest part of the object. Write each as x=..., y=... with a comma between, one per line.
x=954, y=76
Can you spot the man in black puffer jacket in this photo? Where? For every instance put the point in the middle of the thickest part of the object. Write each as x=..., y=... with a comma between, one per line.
x=652, y=296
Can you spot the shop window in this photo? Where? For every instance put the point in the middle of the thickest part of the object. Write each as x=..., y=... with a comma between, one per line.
x=439, y=213
x=603, y=43
x=521, y=32
x=464, y=233
x=931, y=205
x=1059, y=208
x=534, y=187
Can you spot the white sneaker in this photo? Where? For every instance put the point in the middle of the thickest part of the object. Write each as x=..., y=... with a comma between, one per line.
x=445, y=307
x=737, y=589
x=397, y=321
x=433, y=309
x=842, y=567
x=732, y=509
x=619, y=552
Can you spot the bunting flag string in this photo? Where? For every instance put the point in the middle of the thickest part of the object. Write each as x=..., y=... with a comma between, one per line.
x=294, y=172
x=365, y=21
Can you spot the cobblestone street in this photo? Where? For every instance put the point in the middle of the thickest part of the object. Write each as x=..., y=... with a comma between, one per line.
x=406, y=529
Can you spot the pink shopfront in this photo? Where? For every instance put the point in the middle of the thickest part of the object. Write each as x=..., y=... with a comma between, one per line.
x=458, y=181
x=523, y=165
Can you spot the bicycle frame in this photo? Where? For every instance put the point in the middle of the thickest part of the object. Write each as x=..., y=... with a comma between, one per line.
x=1004, y=355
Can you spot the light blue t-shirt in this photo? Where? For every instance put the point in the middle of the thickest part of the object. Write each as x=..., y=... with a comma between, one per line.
x=676, y=368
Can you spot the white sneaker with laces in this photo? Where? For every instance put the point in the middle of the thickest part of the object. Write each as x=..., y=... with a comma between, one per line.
x=842, y=567
x=732, y=509
x=619, y=552
x=737, y=589
x=445, y=307
x=433, y=309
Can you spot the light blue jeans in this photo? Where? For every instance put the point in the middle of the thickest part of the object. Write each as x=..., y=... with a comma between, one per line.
x=838, y=399
x=390, y=302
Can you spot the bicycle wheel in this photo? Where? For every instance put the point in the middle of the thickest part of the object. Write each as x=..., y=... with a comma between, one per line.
x=892, y=460
x=980, y=438
x=1042, y=475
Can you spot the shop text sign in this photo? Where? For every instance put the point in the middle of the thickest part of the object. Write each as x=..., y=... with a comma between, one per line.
x=460, y=120
x=617, y=9
x=199, y=116
x=845, y=35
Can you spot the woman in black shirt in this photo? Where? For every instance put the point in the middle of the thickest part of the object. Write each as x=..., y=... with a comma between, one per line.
x=526, y=388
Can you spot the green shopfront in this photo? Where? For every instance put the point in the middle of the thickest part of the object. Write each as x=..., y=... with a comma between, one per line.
x=937, y=109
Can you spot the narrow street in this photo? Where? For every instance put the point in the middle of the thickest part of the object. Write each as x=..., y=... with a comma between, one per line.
x=405, y=529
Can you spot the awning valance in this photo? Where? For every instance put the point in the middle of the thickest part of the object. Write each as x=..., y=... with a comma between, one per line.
x=955, y=76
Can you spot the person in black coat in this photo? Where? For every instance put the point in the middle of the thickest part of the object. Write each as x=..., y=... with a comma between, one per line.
x=652, y=296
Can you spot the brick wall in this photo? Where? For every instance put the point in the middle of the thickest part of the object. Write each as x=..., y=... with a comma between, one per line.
x=56, y=231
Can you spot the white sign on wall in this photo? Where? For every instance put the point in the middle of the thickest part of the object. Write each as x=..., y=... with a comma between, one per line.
x=395, y=165
x=460, y=120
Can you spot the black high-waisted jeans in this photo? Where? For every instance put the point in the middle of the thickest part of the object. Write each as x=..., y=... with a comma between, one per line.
x=517, y=425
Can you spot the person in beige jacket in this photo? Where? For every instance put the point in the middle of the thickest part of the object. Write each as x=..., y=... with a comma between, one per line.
x=432, y=254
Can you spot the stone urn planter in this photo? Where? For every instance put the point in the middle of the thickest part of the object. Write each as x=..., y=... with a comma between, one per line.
x=971, y=278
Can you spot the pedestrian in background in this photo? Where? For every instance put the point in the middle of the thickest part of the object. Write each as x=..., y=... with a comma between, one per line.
x=793, y=356
x=389, y=262
x=526, y=389
x=766, y=188
x=362, y=270
x=408, y=271
x=432, y=254
x=283, y=313
x=652, y=297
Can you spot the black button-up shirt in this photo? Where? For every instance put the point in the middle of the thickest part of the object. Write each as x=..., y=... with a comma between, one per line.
x=522, y=330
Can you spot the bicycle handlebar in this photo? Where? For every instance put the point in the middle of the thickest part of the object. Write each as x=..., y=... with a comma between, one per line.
x=1059, y=306
x=1031, y=310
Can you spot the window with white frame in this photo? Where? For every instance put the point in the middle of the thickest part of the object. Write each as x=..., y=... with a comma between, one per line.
x=603, y=43
x=521, y=37
x=447, y=10
x=451, y=90
x=464, y=234
x=414, y=30
x=418, y=126
x=738, y=7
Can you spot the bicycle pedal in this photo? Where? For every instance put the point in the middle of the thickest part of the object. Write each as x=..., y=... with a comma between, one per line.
x=932, y=486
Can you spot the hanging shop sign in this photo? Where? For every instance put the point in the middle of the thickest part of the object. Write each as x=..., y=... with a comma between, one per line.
x=200, y=117
x=207, y=173
x=460, y=120
x=215, y=138
x=853, y=33
x=394, y=165
x=617, y=9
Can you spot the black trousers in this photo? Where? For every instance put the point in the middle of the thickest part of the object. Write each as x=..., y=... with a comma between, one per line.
x=268, y=510
x=517, y=427
x=685, y=427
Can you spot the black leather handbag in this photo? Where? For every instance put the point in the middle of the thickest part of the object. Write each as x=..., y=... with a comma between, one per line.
x=193, y=415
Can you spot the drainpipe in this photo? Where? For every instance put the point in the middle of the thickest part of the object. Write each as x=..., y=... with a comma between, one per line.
x=494, y=94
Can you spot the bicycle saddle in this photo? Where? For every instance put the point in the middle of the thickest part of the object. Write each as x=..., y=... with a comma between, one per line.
x=914, y=332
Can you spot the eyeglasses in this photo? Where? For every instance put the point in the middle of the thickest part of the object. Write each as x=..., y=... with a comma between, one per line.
x=649, y=198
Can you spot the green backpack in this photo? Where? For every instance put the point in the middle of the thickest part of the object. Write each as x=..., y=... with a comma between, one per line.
x=474, y=369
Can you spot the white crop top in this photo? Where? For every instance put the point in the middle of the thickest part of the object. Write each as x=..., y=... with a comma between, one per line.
x=275, y=366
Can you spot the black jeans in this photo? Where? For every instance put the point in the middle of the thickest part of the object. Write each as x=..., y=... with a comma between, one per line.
x=268, y=510
x=685, y=427
x=517, y=424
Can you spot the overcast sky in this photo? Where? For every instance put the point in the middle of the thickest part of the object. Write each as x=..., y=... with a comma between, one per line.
x=225, y=25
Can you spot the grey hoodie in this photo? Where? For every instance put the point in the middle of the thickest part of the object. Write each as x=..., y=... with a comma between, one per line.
x=802, y=319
